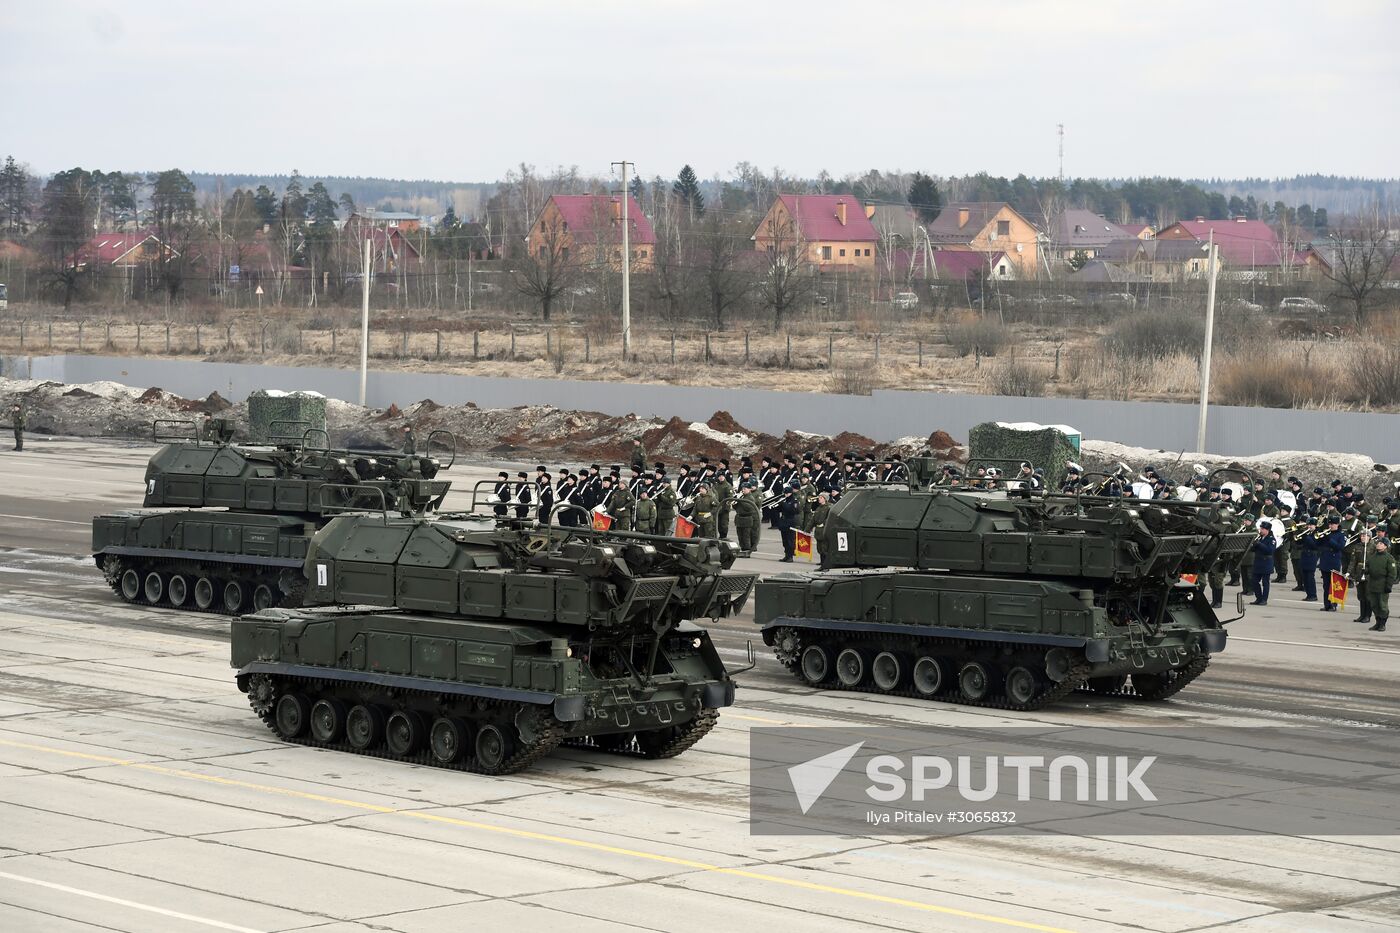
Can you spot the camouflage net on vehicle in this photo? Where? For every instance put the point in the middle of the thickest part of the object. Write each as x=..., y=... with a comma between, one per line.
x=268, y=406
x=1044, y=447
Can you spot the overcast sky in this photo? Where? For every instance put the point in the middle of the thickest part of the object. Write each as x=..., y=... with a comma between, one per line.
x=463, y=91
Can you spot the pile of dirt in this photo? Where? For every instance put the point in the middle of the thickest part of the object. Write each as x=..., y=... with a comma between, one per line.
x=534, y=432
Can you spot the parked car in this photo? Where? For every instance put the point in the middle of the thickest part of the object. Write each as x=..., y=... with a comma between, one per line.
x=1240, y=304
x=906, y=301
x=1300, y=305
x=1125, y=298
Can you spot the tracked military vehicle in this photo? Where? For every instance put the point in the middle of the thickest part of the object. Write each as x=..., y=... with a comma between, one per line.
x=225, y=527
x=482, y=644
x=1002, y=598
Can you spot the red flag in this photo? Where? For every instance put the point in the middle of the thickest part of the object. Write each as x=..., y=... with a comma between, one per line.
x=1188, y=578
x=1337, y=589
x=685, y=528
x=601, y=521
x=803, y=546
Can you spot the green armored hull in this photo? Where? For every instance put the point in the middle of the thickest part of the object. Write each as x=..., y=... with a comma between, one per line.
x=226, y=527
x=485, y=646
x=472, y=694
x=1003, y=599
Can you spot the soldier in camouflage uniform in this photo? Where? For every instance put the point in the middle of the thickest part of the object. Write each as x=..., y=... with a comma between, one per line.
x=617, y=501
x=819, y=516
x=644, y=515
x=723, y=492
x=1381, y=572
x=748, y=516
x=17, y=421
x=703, y=513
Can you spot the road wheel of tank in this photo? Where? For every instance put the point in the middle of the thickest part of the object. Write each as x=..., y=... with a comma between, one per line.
x=291, y=714
x=153, y=588
x=178, y=589
x=887, y=670
x=447, y=739
x=928, y=676
x=328, y=720
x=1022, y=685
x=403, y=733
x=1107, y=685
x=263, y=597
x=492, y=748
x=131, y=585
x=204, y=594
x=233, y=597
x=816, y=664
x=850, y=667
x=364, y=726
x=975, y=681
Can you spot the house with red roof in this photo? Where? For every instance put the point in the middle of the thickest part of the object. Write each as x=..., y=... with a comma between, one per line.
x=952, y=265
x=123, y=250
x=587, y=228
x=392, y=237
x=1244, y=244
x=987, y=227
x=832, y=230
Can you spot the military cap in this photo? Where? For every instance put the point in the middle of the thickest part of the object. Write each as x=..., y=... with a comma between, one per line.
x=704, y=459
x=1335, y=483
x=1285, y=507
x=1334, y=519
x=594, y=466
x=1267, y=524
x=503, y=475
x=1311, y=520
x=1318, y=491
x=1351, y=512
x=522, y=475
x=541, y=469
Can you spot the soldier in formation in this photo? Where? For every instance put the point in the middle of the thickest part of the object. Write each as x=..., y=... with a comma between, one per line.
x=17, y=422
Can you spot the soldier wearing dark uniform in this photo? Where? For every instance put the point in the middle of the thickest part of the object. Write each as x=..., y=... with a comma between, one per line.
x=1285, y=542
x=1381, y=572
x=17, y=421
x=1262, y=562
x=786, y=520
x=523, y=498
x=568, y=489
x=664, y=495
x=1331, y=547
x=502, y=494
x=723, y=492
x=1310, y=551
x=544, y=495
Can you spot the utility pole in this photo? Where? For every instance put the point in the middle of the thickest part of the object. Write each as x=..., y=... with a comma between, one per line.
x=626, y=267
x=364, y=325
x=1061, y=127
x=1212, y=265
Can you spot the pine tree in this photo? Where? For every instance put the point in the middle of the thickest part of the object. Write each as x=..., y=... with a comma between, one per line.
x=687, y=191
x=636, y=188
x=320, y=205
x=266, y=202
x=449, y=219
x=15, y=203
x=924, y=198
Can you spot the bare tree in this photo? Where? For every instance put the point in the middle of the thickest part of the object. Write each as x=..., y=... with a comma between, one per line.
x=1364, y=254
x=546, y=269
x=788, y=279
x=719, y=252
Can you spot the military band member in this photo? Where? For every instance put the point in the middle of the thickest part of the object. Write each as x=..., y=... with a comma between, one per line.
x=544, y=495
x=748, y=517
x=723, y=492
x=1331, y=547
x=502, y=493
x=644, y=515
x=1381, y=573
x=522, y=497
x=706, y=521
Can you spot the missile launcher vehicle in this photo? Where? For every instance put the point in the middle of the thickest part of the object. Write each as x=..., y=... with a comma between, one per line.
x=224, y=527
x=1008, y=598
x=484, y=644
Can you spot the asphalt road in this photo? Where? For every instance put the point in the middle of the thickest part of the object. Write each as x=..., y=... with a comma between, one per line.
x=138, y=792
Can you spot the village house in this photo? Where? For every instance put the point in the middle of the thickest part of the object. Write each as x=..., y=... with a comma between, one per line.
x=1075, y=231
x=987, y=227
x=1156, y=260
x=832, y=230
x=393, y=235
x=587, y=228
x=121, y=250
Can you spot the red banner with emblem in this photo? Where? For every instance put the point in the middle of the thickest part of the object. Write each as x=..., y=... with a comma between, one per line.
x=1188, y=578
x=1337, y=589
x=803, y=546
x=685, y=528
x=601, y=521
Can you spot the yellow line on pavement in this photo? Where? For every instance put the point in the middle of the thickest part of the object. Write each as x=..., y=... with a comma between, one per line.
x=540, y=837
